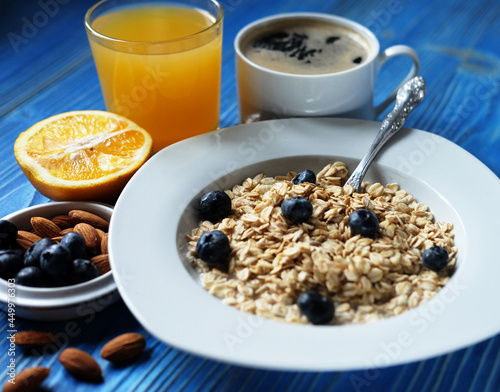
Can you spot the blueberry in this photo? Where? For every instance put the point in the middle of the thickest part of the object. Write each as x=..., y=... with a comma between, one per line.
x=316, y=307
x=83, y=270
x=56, y=262
x=297, y=209
x=11, y=261
x=305, y=176
x=435, y=258
x=32, y=255
x=213, y=247
x=363, y=222
x=32, y=276
x=8, y=234
x=75, y=243
x=214, y=206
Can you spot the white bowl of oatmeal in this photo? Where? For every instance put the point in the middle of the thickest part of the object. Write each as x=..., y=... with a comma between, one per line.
x=153, y=265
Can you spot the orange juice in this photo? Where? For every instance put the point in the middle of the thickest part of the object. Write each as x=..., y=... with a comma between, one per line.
x=160, y=67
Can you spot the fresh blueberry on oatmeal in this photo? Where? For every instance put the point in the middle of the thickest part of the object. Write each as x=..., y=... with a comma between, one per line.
x=214, y=206
x=435, y=258
x=213, y=247
x=317, y=308
x=305, y=176
x=297, y=209
x=364, y=222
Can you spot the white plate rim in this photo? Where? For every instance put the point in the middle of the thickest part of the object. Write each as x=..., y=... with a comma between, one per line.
x=176, y=309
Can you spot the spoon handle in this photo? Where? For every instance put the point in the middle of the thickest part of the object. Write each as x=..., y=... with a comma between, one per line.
x=408, y=97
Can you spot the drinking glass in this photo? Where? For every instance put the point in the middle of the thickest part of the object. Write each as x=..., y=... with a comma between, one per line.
x=159, y=63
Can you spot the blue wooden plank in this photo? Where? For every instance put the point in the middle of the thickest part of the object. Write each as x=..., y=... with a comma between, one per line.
x=201, y=375
x=327, y=381
x=195, y=366
x=305, y=381
x=42, y=47
x=493, y=379
x=459, y=377
x=485, y=365
x=227, y=379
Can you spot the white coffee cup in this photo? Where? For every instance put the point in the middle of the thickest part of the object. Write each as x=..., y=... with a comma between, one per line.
x=264, y=93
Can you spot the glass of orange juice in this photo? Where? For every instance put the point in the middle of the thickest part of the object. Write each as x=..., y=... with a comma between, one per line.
x=159, y=63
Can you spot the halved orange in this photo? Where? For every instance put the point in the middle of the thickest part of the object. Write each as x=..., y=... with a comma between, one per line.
x=82, y=155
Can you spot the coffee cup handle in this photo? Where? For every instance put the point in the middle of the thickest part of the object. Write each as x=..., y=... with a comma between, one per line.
x=393, y=51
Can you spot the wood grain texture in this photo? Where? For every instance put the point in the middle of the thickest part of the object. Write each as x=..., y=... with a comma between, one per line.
x=49, y=70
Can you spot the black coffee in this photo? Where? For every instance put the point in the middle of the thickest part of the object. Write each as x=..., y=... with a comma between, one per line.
x=307, y=46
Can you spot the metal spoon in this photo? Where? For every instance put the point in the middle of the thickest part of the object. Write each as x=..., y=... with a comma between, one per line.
x=408, y=97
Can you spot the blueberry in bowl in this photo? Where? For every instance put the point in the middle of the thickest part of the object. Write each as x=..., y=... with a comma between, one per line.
x=214, y=205
x=297, y=209
x=305, y=176
x=364, y=222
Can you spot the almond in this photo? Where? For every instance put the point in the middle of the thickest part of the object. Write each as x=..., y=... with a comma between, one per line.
x=101, y=234
x=104, y=244
x=44, y=227
x=57, y=239
x=25, y=239
x=33, y=338
x=102, y=263
x=66, y=231
x=26, y=235
x=91, y=237
x=123, y=347
x=23, y=244
x=80, y=364
x=27, y=380
x=63, y=221
x=91, y=219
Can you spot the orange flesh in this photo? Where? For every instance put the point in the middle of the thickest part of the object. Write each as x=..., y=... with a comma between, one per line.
x=82, y=147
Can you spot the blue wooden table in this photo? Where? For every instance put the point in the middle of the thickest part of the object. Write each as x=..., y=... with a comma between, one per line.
x=47, y=68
